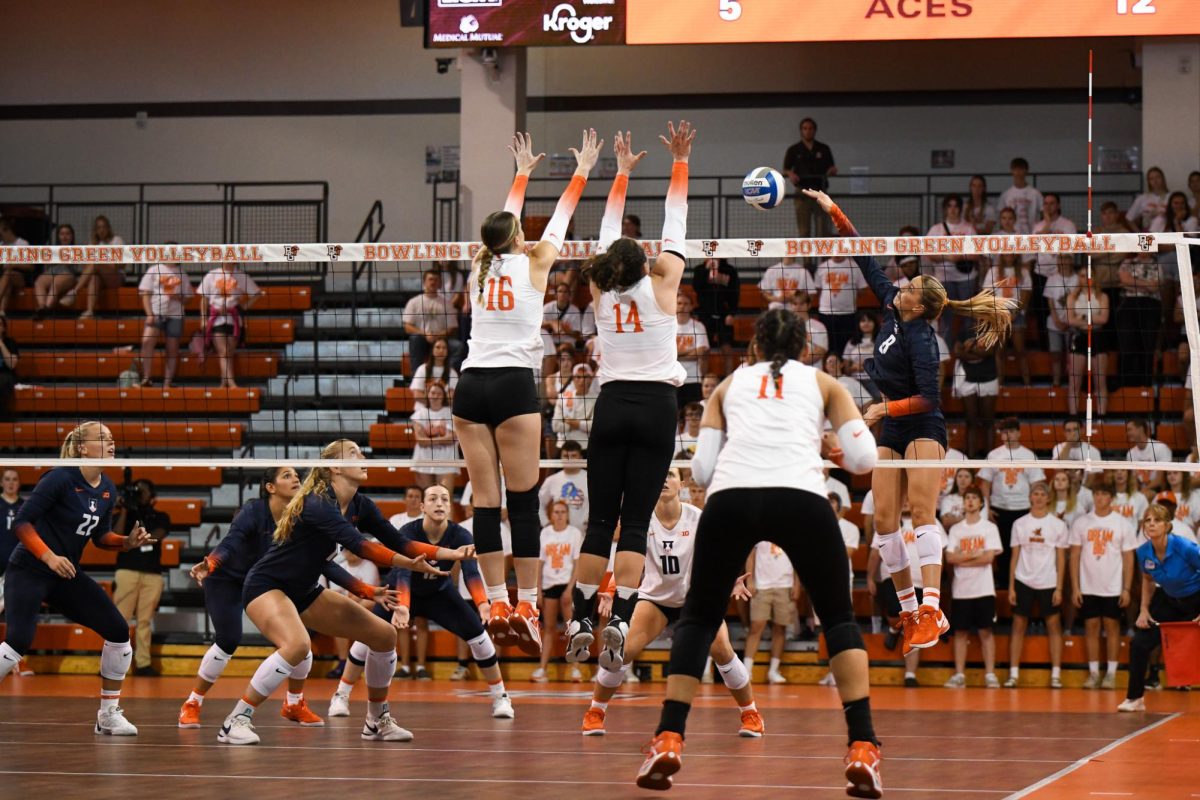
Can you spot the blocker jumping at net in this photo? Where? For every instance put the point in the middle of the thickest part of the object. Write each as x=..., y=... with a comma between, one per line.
x=632, y=437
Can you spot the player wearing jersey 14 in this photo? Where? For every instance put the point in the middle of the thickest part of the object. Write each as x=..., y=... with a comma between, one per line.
x=760, y=456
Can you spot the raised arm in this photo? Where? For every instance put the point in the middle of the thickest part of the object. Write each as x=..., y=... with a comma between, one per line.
x=614, y=210
x=543, y=255
x=877, y=279
x=669, y=265
x=527, y=162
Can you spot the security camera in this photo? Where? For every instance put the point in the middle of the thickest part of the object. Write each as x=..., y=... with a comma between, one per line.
x=490, y=56
x=443, y=65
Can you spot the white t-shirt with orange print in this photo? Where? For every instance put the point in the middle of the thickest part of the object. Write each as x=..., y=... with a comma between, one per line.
x=973, y=539
x=1103, y=541
x=1010, y=485
x=558, y=554
x=839, y=282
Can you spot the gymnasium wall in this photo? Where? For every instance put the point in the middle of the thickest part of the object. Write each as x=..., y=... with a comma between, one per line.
x=303, y=89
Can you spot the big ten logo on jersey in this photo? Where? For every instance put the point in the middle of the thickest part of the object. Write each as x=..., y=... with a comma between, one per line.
x=500, y=295
x=970, y=545
x=668, y=564
x=556, y=554
x=633, y=320
x=1099, y=539
x=1011, y=475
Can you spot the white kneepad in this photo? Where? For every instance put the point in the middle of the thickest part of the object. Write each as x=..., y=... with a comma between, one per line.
x=611, y=679
x=114, y=660
x=894, y=552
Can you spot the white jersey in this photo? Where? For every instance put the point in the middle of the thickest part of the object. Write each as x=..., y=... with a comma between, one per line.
x=774, y=430
x=669, y=559
x=637, y=337
x=506, y=318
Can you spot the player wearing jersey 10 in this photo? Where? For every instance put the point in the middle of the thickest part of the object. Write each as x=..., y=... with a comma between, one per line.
x=768, y=476
x=496, y=409
x=664, y=586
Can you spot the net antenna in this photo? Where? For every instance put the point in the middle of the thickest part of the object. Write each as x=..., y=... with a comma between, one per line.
x=1090, y=386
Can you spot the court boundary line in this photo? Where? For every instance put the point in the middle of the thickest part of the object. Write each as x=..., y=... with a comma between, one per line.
x=394, y=779
x=1049, y=779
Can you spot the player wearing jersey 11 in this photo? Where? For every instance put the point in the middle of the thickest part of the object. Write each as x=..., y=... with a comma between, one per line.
x=904, y=369
x=660, y=597
x=284, y=600
x=760, y=456
x=222, y=573
x=435, y=598
x=633, y=426
x=70, y=507
x=497, y=415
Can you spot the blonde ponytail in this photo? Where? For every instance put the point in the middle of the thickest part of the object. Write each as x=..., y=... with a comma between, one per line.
x=317, y=482
x=993, y=312
x=72, y=446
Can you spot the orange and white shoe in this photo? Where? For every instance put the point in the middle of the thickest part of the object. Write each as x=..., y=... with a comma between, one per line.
x=931, y=625
x=664, y=757
x=593, y=722
x=862, y=771
x=527, y=628
x=753, y=726
x=498, y=625
x=189, y=715
x=908, y=627
x=301, y=713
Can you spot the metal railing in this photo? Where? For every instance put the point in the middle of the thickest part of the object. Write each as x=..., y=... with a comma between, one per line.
x=880, y=203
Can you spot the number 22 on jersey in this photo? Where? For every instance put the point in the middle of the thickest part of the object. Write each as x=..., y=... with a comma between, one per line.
x=500, y=295
x=633, y=320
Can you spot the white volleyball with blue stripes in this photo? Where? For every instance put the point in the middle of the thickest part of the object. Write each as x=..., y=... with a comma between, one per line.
x=763, y=188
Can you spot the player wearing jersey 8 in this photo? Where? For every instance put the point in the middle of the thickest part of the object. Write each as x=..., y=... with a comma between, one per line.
x=496, y=410
x=70, y=507
x=904, y=368
x=768, y=476
x=661, y=594
x=632, y=437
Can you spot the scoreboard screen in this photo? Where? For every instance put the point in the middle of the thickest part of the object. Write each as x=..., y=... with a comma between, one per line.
x=510, y=23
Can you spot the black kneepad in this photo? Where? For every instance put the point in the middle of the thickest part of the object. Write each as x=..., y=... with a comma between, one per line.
x=844, y=636
x=486, y=531
x=632, y=541
x=526, y=525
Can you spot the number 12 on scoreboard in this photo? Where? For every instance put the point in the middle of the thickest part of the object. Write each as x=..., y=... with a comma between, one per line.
x=1139, y=7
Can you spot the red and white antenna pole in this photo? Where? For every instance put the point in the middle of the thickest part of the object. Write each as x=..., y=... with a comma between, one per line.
x=1090, y=387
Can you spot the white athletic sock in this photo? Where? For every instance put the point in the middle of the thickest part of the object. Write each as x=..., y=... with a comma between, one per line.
x=1056, y=672
x=1014, y=672
x=1112, y=668
x=495, y=593
x=908, y=599
x=774, y=665
x=1094, y=667
x=295, y=698
x=749, y=662
x=527, y=596
x=626, y=592
x=197, y=698
x=109, y=698
x=932, y=598
x=588, y=590
x=344, y=688
x=243, y=708
x=599, y=705
x=908, y=675
x=751, y=707
x=496, y=689
x=376, y=710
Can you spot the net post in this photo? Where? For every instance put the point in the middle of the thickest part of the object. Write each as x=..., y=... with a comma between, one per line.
x=1191, y=324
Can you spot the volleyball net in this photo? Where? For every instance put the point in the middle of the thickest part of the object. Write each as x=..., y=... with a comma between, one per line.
x=371, y=351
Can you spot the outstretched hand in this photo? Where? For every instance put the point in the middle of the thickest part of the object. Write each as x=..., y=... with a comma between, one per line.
x=589, y=151
x=626, y=158
x=522, y=150
x=823, y=200
x=201, y=571
x=680, y=142
x=138, y=537
x=419, y=564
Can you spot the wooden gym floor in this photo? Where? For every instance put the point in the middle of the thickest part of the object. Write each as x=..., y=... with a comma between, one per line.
x=973, y=744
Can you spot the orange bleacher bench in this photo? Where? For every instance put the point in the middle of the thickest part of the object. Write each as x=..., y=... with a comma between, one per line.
x=1042, y=437
x=105, y=401
x=71, y=365
x=1041, y=363
x=95, y=557
x=400, y=400
x=199, y=435
x=392, y=436
x=161, y=476
x=389, y=478
x=95, y=332
x=125, y=299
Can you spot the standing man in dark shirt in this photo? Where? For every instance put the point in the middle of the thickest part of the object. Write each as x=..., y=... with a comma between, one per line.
x=8, y=371
x=808, y=164
x=139, y=578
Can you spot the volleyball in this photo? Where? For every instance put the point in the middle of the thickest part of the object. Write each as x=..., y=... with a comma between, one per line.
x=763, y=188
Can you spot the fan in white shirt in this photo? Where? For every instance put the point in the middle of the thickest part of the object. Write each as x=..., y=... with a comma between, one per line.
x=1073, y=448
x=1151, y=203
x=1007, y=488
x=691, y=344
x=950, y=506
x=1069, y=502
x=838, y=281
x=1023, y=199
x=951, y=269
x=1052, y=222
x=413, y=500
x=972, y=545
x=1039, y=545
x=817, y=341
x=1143, y=448
x=781, y=282
x=568, y=485
x=1187, y=498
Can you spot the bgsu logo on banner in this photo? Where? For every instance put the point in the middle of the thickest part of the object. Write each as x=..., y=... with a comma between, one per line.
x=334, y=251
x=290, y=251
x=755, y=246
x=582, y=29
x=709, y=247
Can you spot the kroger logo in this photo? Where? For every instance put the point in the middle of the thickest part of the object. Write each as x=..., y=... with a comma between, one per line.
x=582, y=29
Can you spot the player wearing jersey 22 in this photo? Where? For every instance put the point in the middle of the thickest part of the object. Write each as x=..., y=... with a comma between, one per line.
x=904, y=368
x=497, y=414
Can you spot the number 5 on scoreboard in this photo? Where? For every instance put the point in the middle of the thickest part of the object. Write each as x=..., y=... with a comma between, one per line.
x=731, y=10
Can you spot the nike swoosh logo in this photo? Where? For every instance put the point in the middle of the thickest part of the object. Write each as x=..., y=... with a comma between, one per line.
x=371, y=728
x=225, y=729
x=9, y=658
x=218, y=658
x=858, y=434
x=281, y=672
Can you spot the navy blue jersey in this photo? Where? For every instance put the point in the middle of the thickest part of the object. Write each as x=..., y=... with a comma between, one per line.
x=8, y=534
x=425, y=584
x=65, y=511
x=906, y=357
x=316, y=534
x=250, y=536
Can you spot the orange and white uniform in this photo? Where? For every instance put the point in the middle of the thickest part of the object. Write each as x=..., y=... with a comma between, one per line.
x=506, y=319
x=637, y=337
